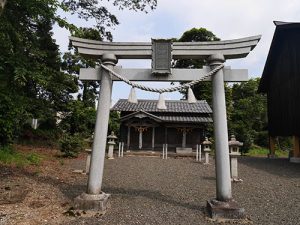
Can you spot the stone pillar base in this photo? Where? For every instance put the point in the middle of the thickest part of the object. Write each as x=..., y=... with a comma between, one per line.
x=224, y=210
x=295, y=160
x=98, y=202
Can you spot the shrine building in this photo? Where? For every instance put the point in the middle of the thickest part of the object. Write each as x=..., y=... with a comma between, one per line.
x=145, y=127
x=280, y=81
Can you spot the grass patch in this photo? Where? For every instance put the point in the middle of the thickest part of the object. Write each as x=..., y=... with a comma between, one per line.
x=9, y=156
x=259, y=151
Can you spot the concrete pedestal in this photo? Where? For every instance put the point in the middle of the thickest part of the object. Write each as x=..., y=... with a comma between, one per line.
x=206, y=158
x=225, y=209
x=110, y=154
x=88, y=160
x=99, y=202
x=234, y=167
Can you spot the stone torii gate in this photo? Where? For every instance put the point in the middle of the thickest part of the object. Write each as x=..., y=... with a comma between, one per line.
x=162, y=52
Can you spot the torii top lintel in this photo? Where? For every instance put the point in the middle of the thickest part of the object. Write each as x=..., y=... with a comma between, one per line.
x=230, y=49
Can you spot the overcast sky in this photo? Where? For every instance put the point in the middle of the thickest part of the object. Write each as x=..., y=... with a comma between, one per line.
x=227, y=19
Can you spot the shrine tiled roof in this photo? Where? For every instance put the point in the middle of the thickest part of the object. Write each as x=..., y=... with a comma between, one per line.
x=176, y=106
x=186, y=119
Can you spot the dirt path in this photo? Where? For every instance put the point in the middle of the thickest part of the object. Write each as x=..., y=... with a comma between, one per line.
x=148, y=191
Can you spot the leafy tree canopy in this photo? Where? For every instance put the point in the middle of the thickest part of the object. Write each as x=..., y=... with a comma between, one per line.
x=249, y=115
x=33, y=83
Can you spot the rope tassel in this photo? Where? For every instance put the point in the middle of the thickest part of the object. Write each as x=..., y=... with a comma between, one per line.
x=161, y=104
x=132, y=96
x=191, y=96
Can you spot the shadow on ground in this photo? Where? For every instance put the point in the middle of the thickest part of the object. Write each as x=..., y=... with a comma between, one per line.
x=280, y=167
x=153, y=195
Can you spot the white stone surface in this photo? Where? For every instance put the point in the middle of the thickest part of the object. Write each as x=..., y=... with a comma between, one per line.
x=220, y=132
x=231, y=49
x=230, y=75
x=234, y=167
x=110, y=154
x=101, y=127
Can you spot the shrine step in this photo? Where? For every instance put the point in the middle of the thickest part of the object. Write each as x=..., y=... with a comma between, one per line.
x=142, y=153
x=157, y=154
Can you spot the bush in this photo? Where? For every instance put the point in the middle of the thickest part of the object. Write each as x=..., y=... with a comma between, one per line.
x=260, y=151
x=9, y=156
x=12, y=117
x=262, y=139
x=33, y=159
x=39, y=137
x=70, y=145
x=78, y=119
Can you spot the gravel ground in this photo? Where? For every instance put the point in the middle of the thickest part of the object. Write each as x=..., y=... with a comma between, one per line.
x=149, y=190
x=174, y=191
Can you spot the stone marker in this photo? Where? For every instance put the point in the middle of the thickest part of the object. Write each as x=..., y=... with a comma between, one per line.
x=111, y=143
x=88, y=160
x=207, y=149
x=234, y=152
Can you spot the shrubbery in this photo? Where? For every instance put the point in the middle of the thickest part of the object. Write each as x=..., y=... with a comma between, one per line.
x=12, y=118
x=43, y=136
x=71, y=145
x=8, y=155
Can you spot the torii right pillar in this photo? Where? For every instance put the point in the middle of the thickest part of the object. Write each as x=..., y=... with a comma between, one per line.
x=223, y=206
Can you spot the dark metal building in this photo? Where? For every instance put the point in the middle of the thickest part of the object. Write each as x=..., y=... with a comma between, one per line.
x=281, y=81
x=182, y=125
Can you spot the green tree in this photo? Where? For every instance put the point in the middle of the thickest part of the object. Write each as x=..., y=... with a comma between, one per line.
x=73, y=61
x=114, y=122
x=78, y=119
x=194, y=35
x=249, y=115
x=31, y=82
x=94, y=9
x=30, y=78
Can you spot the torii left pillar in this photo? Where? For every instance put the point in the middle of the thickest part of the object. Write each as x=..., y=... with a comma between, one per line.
x=94, y=198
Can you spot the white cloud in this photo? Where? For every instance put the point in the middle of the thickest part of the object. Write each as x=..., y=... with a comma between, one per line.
x=226, y=18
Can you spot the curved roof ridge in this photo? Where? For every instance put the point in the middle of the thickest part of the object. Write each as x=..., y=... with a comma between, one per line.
x=174, y=106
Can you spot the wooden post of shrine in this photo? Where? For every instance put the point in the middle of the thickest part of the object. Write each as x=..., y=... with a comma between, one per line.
x=153, y=138
x=271, y=154
x=296, y=150
x=140, y=138
x=184, y=138
x=128, y=138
